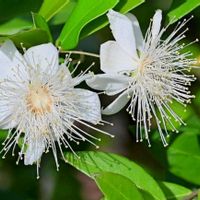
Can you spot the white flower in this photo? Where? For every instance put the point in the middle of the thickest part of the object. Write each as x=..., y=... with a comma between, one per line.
x=148, y=72
x=40, y=105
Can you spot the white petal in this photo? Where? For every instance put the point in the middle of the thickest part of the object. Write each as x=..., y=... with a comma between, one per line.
x=137, y=31
x=117, y=104
x=114, y=59
x=88, y=105
x=156, y=24
x=44, y=56
x=36, y=148
x=111, y=84
x=122, y=30
x=10, y=59
x=7, y=122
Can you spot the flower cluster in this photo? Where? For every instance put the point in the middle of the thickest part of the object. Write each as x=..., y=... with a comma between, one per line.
x=42, y=106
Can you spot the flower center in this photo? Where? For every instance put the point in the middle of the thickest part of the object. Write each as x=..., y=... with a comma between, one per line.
x=143, y=63
x=39, y=100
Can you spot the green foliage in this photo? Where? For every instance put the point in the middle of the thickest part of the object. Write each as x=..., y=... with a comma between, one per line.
x=115, y=176
x=3, y=134
x=64, y=14
x=49, y=8
x=184, y=157
x=123, y=6
x=181, y=8
x=84, y=12
x=13, y=8
x=39, y=33
x=117, y=187
x=92, y=163
x=39, y=22
x=30, y=38
x=14, y=26
x=173, y=191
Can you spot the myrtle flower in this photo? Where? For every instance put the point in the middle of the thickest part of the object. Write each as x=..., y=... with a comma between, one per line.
x=148, y=72
x=41, y=105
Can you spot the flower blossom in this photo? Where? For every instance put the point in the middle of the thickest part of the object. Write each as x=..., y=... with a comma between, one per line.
x=40, y=104
x=148, y=72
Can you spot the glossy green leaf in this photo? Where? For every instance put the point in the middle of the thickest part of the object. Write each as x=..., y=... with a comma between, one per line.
x=30, y=38
x=181, y=8
x=184, y=157
x=92, y=163
x=62, y=16
x=117, y=187
x=10, y=9
x=84, y=12
x=40, y=22
x=123, y=7
x=173, y=191
x=38, y=34
x=14, y=26
x=49, y=8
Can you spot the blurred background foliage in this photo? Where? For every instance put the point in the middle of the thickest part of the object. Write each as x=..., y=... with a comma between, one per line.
x=140, y=173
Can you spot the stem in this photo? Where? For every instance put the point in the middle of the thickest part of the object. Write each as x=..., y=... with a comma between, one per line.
x=192, y=195
x=81, y=53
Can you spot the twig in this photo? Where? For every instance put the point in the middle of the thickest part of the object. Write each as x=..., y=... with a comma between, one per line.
x=81, y=53
x=192, y=195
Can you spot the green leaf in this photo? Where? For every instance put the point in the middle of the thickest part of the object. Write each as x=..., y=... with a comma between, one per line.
x=117, y=187
x=12, y=8
x=30, y=38
x=14, y=26
x=92, y=163
x=123, y=7
x=84, y=12
x=183, y=156
x=3, y=134
x=62, y=16
x=181, y=8
x=173, y=191
x=40, y=22
x=38, y=34
x=49, y=8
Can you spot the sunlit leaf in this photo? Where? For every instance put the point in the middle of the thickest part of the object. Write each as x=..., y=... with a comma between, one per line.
x=30, y=38
x=62, y=16
x=14, y=26
x=123, y=7
x=84, y=12
x=49, y=8
x=174, y=191
x=181, y=8
x=117, y=187
x=39, y=22
x=91, y=163
x=38, y=34
x=183, y=156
